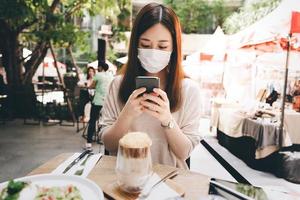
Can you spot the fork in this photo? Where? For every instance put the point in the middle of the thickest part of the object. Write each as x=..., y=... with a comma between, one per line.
x=79, y=172
x=145, y=194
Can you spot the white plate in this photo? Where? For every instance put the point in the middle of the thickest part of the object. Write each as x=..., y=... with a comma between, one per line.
x=88, y=189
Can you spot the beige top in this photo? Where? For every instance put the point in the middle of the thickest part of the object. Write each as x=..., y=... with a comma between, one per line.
x=187, y=118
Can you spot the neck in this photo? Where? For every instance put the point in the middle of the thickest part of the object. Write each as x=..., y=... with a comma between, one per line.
x=162, y=75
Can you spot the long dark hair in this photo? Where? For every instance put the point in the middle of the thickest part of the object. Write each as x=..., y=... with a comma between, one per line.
x=88, y=74
x=146, y=18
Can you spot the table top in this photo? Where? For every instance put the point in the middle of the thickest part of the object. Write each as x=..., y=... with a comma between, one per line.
x=194, y=184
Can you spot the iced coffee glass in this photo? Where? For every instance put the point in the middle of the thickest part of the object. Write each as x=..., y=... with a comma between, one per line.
x=134, y=164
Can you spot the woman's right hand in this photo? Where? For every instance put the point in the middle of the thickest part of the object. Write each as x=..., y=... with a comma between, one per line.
x=133, y=107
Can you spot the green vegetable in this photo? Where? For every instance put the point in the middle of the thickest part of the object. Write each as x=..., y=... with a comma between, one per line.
x=12, y=191
x=15, y=187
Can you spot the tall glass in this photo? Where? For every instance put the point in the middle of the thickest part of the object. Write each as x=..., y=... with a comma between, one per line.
x=133, y=167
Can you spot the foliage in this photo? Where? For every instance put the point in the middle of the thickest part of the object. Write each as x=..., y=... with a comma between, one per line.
x=220, y=12
x=34, y=23
x=249, y=14
x=111, y=55
x=118, y=14
x=199, y=16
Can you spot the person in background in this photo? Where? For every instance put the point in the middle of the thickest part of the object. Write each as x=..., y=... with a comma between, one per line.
x=4, y=103
x=101, y=82
x=295, y=91
x=3, y=74
x=86, y=95
x=170, y=115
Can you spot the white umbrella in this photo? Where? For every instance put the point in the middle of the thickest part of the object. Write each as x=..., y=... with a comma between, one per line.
x=277, y=60
x=47, y=68
x=122, y=60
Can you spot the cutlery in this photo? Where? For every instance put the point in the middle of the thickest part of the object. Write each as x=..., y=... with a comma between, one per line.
x=79, y=172
x=145, y=194
x=74, y=162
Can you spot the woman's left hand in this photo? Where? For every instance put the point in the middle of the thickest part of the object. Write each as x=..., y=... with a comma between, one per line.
x=157, y=104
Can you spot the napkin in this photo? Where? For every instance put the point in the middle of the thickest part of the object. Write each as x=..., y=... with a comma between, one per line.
x=162, y=191
x=89, y=165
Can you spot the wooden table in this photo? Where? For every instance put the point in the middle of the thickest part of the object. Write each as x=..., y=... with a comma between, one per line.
x=194, y=184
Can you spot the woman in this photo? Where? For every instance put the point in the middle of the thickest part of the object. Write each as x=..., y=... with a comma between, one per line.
x=100, y=83
x=172, y=121
x=296, y=88
x=86, y=95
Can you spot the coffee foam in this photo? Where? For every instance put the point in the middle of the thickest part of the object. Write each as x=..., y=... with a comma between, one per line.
x=135, y=140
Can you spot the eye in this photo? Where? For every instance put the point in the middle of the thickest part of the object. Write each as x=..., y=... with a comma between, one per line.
x=145, y=46
x=163, y=47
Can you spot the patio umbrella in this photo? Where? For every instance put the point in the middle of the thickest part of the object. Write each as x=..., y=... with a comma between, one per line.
x=214, y=50
x=274, y=34
x=211, y=57
x=295, y=28
x=47, y=68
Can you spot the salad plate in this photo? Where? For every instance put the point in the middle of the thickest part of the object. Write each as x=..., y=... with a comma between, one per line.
x=50, y=186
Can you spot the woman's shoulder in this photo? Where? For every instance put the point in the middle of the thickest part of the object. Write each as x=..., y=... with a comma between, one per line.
x=116, y=82
x=117, y=79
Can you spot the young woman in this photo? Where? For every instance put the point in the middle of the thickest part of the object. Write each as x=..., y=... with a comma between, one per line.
x=86, y=95
x=101, y=82
x=170, y=114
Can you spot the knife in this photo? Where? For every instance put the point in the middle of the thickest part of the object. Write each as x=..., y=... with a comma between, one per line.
x=74, y=162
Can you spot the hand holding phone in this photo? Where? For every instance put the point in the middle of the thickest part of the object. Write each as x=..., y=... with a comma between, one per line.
x=149, y=82
x=156, y=102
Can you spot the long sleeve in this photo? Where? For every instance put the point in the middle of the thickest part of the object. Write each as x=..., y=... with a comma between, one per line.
x=191, y=114
x=111, y=108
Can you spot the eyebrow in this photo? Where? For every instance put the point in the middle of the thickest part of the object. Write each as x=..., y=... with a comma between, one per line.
x=146, y=39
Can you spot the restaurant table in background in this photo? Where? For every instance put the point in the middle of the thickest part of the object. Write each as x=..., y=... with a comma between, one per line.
x=291, y=120
x=266, y=134
x=232, y=120
x=194, y=184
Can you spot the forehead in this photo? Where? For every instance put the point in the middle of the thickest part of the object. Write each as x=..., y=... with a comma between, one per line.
x=157, y=32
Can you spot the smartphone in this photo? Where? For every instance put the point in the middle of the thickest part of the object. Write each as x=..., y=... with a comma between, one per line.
x=149, y=82
x=236, y=191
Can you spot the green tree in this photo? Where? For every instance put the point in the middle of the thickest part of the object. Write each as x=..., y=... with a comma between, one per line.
x=36, y=24
x=199, y=16
x=249, y=14
x=220, y=12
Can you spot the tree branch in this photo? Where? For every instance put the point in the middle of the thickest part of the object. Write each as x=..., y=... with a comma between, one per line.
x=73, y=10
x=26, y=25
x=63, y=84
x=39, y=51
x=33, y=63
x=69, y=50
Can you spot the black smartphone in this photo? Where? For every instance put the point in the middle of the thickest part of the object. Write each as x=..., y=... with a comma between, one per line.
x=149, y=82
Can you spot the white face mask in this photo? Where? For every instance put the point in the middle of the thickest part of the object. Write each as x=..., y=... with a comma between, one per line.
x=153, y=60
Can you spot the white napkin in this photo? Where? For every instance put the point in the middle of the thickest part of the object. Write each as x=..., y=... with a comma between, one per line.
x=89, y=165
x=162, y=191
x=280, y=192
